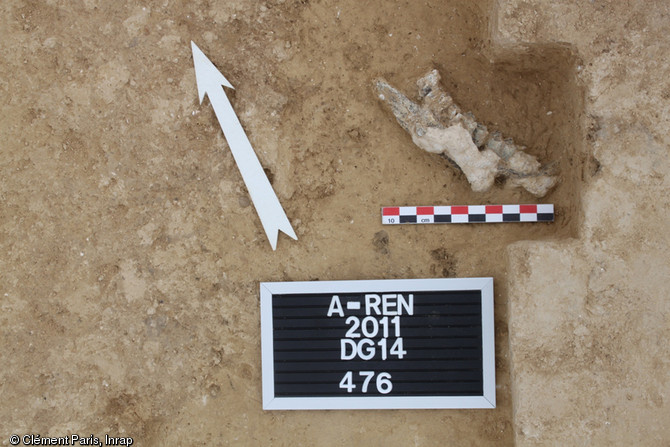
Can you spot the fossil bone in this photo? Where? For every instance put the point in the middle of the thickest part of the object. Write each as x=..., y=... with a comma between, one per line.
x=439, y=126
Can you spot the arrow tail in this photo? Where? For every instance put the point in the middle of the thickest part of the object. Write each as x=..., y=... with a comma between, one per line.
x=269, y=209
x=273, y=222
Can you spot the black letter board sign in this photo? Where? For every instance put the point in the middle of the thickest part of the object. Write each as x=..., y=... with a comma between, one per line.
x=382, y=344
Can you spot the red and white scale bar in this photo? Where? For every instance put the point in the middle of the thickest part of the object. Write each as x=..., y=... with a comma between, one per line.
x=393, y=215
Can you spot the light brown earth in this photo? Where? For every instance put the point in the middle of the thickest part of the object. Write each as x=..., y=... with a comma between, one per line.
x=130, y=254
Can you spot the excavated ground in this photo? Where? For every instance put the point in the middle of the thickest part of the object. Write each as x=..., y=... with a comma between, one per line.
x=131, y=253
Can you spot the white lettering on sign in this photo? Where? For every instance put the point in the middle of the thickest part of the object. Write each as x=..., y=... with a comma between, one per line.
x=349, y=349
x=370, y=326
x=383, y=382
x=390, y=303
x=376, y=334
x=372, y=303
x=365, y=349
x=335, y=306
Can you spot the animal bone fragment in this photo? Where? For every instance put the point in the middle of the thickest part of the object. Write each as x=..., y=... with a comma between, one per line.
x=439, y=126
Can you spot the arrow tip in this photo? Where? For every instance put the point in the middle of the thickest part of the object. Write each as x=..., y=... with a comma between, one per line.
x=207, y=75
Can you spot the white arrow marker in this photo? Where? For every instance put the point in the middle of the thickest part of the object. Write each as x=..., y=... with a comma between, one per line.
x=269, y=210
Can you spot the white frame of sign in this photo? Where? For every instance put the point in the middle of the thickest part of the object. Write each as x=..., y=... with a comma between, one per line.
x=271, y=402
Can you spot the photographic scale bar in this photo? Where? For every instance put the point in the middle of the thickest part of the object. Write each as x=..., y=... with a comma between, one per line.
x=394, y=215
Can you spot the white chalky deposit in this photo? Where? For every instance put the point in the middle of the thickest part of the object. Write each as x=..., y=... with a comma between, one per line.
x=437, y=125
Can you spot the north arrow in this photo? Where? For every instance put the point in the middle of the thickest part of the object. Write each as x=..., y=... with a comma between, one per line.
x=267, y=205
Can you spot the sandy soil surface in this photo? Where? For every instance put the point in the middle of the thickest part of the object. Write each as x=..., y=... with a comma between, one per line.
x=131, y=253
x=590, y=316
